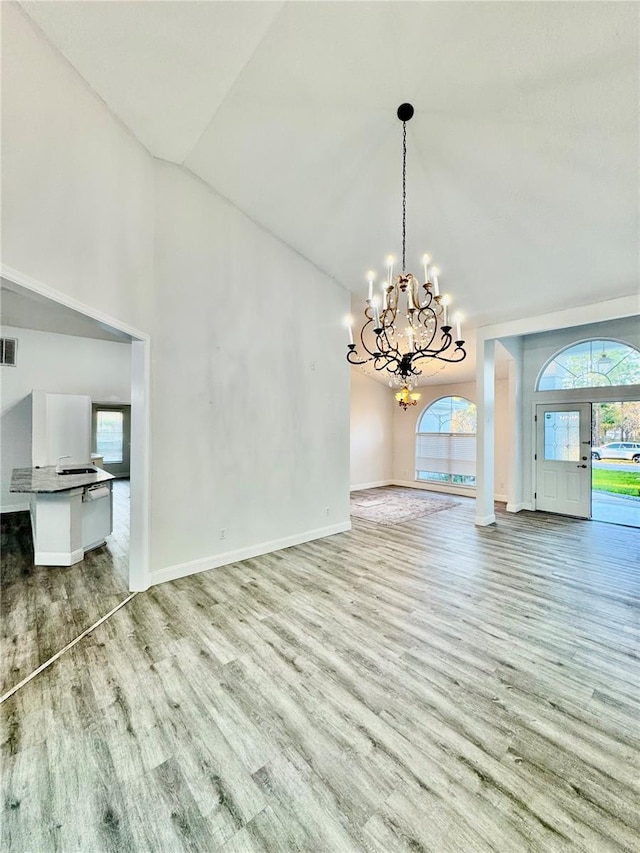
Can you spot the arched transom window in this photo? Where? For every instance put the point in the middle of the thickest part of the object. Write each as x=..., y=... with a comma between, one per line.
x=591, y=364
x=446, y=442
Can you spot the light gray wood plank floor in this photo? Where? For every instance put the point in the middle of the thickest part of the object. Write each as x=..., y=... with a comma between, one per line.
x=431, y=686
x=42, y=608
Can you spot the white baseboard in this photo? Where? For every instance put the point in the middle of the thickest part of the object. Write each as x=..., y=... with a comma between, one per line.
x=20, y=507
x=529, y=505
x=58, y=558
x=375, y=485
x=193, y=567
x=515, y=507
x=451, y=489
x=484, y=520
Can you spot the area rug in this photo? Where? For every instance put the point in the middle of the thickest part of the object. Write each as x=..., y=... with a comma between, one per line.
x=393, y=504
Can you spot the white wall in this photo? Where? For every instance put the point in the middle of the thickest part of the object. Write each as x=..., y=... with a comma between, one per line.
x=58, y=363
x=404, y=429
x=537, y=350
x=249, y=384
x=67, y=365
x=77, y=189
x=371, y=432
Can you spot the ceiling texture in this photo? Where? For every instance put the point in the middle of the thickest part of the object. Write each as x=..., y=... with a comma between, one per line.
x=522, y=177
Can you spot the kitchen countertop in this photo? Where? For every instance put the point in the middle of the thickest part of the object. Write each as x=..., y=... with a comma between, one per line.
x=46, y=480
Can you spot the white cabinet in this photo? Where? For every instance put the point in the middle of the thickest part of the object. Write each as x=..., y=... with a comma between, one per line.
x=61, y=426
x=56, y=521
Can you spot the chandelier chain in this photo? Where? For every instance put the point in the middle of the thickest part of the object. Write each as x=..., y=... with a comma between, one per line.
x=404, y=196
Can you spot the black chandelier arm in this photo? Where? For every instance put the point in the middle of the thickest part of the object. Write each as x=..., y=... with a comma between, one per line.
x=386, y=347
x=458, y=354
x=352, y=355
x=384, y=351
x=362, y=338
x=383, y=361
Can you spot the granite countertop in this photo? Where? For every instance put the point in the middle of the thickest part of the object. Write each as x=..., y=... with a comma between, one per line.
x=46, y=480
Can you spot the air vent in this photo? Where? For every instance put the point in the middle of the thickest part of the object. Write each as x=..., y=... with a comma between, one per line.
x=8, y=349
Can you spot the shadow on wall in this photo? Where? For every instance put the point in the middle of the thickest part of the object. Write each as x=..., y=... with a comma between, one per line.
x=15, y=428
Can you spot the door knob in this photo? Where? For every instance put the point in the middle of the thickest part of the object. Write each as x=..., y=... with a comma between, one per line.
x=581, y=466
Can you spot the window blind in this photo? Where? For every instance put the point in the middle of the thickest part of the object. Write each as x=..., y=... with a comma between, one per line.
x=446, y=453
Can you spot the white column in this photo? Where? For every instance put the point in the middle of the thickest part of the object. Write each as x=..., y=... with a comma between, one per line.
x=485, y=463
x=515, y=425
x=140, y=441
x=514, y=487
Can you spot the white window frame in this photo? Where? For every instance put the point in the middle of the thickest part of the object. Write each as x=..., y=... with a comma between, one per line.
x=450, y=454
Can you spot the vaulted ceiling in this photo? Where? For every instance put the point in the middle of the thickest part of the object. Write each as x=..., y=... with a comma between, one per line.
x=522, y=155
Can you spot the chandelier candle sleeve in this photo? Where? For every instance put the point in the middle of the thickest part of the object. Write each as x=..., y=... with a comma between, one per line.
x=375, y=302
x=412, y=324
x=436, y=286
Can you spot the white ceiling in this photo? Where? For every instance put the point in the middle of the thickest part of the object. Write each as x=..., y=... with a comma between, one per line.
x=522, y=155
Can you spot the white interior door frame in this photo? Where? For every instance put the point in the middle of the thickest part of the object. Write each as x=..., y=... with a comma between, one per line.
x=139, y=547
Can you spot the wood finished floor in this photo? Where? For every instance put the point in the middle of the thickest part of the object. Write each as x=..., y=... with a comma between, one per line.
x=43, y=608
x=426, y=687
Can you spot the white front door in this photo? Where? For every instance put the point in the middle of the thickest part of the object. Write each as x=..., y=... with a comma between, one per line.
x=563, y=458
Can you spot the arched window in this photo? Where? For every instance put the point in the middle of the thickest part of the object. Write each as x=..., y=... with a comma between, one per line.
x=446, y=442
x=591, y=364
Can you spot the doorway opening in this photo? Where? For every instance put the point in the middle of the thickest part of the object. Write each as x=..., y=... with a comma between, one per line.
x=615, y=462
x=47, y=310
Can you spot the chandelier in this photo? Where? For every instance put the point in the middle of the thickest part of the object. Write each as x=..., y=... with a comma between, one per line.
x=406, y=323
x=407, y=398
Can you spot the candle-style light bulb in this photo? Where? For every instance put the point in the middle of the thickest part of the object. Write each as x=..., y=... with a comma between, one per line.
x=376, y=306
x=435, y=272
x=370, y=277
x=348, y=321
x=445, y=304
x=426, y=260
x=458, y=321
x=390, y=262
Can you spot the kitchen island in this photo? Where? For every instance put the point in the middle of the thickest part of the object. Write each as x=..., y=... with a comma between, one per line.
x=70, y=513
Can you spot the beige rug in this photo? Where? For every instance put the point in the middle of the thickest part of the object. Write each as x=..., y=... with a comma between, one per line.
x=390, y=505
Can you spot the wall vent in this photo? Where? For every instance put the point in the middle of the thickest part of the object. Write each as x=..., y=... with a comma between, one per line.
x=8, y=350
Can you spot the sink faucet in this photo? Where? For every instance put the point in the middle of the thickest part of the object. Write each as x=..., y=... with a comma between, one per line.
x=59, y=466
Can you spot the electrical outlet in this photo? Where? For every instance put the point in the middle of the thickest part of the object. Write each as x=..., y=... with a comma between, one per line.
x=327, y=510
x=223, y=532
